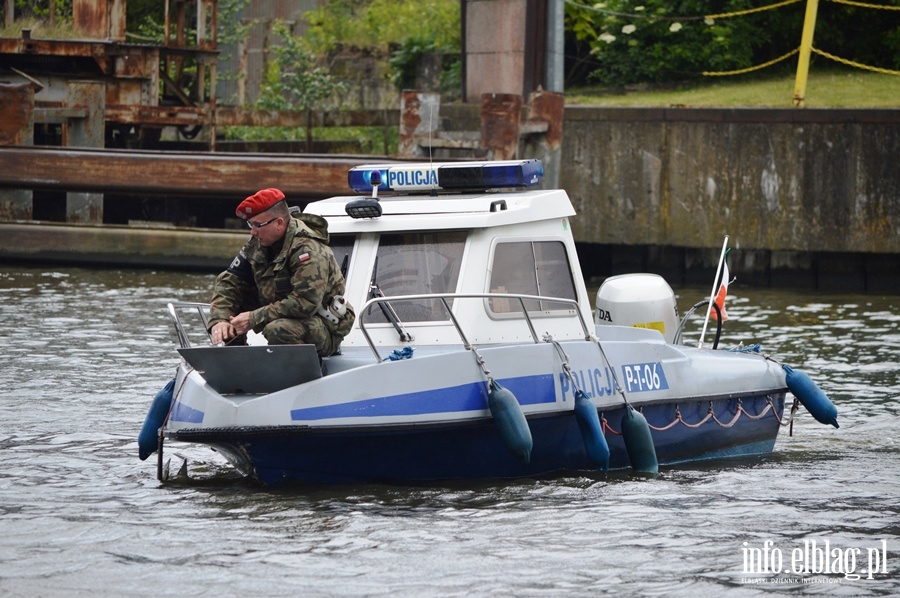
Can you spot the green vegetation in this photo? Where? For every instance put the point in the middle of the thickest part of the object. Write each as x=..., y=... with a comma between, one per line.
x=40, y=28
x=626, y=42
x=294, y=81
x=405, y=60
x=834, y=88
x=414, y=30
x=379, y=24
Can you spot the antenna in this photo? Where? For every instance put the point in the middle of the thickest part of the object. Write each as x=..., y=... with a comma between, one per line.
x=431, y=148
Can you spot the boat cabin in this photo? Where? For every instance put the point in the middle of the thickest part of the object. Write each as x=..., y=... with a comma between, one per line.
x=455, y=230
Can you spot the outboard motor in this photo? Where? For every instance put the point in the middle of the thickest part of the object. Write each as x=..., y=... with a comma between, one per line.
x=639, y=300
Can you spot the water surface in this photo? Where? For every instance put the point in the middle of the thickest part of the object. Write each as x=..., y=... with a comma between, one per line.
x=84, y=351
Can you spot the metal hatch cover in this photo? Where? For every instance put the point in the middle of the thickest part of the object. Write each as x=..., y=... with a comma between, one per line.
x=254, y=369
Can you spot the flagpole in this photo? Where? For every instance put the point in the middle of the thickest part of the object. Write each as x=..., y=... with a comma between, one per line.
x=712, y=294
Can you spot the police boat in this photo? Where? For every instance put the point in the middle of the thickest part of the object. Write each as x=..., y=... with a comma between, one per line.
x=476, y=353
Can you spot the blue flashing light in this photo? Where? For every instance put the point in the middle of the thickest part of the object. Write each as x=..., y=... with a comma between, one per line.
x=452, y=176
x=361, y=178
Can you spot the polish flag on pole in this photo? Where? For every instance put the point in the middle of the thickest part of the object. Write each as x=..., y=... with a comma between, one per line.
x=720, y=295
x=717, y=296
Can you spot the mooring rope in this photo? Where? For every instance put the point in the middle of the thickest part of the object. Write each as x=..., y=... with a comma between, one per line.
x=711, y=415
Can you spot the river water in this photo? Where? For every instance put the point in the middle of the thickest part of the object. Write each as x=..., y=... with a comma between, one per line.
x=84, y=351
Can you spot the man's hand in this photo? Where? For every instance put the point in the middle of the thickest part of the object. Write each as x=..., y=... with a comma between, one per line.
x=222, y=332
x=241, y=322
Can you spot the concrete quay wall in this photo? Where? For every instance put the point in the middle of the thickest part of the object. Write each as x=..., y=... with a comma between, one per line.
x=807, y=196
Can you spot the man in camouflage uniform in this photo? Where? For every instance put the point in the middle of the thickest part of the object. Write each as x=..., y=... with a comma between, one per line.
x=283, y=281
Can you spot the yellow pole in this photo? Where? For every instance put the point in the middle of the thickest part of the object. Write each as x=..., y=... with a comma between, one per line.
x=809, y=26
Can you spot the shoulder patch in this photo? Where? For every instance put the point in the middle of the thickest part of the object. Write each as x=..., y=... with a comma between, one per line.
x=241, y=267
x=303, y=257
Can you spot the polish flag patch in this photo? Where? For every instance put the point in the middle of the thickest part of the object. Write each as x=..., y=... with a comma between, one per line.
x=303, y=257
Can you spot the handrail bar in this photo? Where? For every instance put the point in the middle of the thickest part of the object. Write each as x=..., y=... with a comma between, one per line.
x=174, y=306
x=445, y=296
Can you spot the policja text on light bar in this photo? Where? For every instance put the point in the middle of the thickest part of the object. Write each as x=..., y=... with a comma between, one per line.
x=448, y=176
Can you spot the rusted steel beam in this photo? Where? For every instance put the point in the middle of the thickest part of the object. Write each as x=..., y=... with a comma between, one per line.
x=546, y=109
x=174, y=172
x=112, y=58
x=16, y=113
x=500, y=114
x=157, y=115
x=231, y=116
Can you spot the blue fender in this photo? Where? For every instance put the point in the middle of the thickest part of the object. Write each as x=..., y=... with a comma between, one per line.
x=148, y=439
x=511, y=422
x=591, y=431
x=811, y=396
x=638, y=442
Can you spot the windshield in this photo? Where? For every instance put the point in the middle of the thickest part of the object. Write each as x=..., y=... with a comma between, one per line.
x=416, y=264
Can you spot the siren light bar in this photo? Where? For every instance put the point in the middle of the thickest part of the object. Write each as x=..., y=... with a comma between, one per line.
x=446, y=176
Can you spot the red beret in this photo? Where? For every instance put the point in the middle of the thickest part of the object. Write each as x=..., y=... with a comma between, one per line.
x=258, y=203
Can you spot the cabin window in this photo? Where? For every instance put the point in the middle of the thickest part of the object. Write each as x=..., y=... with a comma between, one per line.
x=416, y=264
x=342, y=247
x=531, y=268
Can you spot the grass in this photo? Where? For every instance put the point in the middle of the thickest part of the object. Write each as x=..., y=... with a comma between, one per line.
x=835, y=88
x=40, y=29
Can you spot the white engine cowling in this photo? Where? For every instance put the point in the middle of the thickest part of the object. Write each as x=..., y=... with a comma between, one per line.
x=639, y=300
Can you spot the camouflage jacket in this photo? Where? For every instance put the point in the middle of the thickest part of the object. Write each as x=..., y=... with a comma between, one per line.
x=301, y=277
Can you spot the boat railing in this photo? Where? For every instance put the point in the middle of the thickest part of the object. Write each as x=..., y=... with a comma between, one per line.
x=175, y=311
x=444, y=298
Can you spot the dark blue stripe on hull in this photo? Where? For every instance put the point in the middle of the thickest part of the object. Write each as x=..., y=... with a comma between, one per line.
x=530, y=390
x=476, y=450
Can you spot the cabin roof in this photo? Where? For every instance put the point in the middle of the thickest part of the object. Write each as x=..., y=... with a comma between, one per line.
x=446, y=211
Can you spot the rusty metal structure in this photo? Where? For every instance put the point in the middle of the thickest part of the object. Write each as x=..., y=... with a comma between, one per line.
x=104, y=91
x=100, y=91
x=507, y=129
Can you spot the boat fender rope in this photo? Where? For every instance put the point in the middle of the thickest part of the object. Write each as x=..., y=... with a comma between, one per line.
x=711, y=415
x=595, y=444
x=635, y=429
x=612, y=371
x=480, y=360
x=794, y=408
x=671, y=424
x=678, y=418
x=810, y=395
x=737, y=415
x=507, y=414
x=567, y=369
x=759, y=415
x=607, y=427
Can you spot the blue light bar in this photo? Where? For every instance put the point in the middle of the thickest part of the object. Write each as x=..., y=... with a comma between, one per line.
x=449, y=176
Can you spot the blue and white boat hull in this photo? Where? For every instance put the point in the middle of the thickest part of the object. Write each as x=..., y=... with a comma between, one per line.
x=427, y=418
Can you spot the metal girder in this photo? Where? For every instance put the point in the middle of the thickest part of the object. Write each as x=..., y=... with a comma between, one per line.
x=149, y=172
